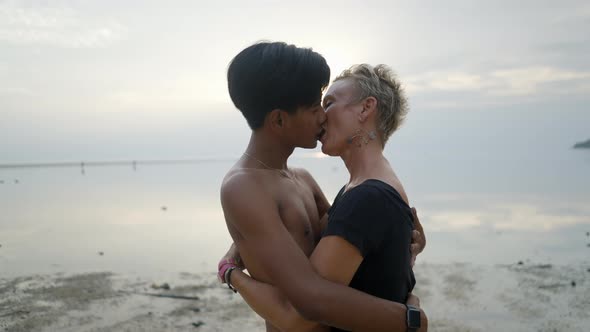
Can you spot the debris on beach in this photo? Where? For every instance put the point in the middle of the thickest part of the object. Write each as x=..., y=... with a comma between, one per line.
x=552, y=286
x=543, y=266
x=107, y=302
x=170, y=296
x=164, y=286
x=21, y=312
x=101, y=253
x=164, y=208
x=198, y=324
x=520, y=263
x=16, y=181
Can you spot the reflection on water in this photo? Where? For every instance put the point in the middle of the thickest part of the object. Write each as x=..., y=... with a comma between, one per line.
x=57, y=219
x=505, y=213
x=507, y=228
x=168, y=217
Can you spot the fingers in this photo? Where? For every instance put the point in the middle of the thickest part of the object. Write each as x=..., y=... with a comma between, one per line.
x=417, y=223
x=413, y=300
x=239, y=261
x=414, y=251
x=415, y=246
x=417, y=243
x=416, y=236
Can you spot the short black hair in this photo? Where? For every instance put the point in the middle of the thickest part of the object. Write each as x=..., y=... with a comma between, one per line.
x=268, y=76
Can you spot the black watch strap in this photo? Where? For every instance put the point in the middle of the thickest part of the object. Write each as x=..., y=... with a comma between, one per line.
x=412, y=318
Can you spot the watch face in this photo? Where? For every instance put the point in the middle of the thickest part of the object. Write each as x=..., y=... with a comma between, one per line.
x=413, y=318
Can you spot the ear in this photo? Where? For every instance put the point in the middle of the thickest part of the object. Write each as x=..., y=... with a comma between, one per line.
x=276, y=119
x=369, y=108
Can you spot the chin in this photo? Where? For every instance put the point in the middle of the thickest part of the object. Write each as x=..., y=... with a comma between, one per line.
x=327, y=151
x=310, y=145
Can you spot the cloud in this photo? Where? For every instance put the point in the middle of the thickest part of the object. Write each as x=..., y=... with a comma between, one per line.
x=533, y=218
x=529, y=80
x=520, y=81
x=15, y=91
x=55, y=26
x=581, y=13
x=445, y=81
x=184, y=94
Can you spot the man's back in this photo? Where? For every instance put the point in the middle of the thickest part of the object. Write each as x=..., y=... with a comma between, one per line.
x=295, y=199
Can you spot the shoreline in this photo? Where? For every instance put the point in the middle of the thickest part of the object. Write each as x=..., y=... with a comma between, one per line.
x=456, y=296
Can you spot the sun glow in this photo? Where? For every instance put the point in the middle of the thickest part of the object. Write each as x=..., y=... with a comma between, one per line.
x=340, y=58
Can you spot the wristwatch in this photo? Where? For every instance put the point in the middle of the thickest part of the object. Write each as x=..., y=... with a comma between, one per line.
x=412, y=318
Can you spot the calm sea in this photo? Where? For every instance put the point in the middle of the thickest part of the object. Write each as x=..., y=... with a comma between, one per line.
x=485, y=196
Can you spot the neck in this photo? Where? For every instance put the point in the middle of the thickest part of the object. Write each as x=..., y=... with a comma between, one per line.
x=268, y=150
x=363, y=162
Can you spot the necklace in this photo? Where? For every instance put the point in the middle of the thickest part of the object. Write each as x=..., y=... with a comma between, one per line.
x=282, y=172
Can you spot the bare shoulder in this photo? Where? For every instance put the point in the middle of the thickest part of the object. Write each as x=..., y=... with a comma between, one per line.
x=233, y=180
x=299, y=171
x=239, y=182
x=304, y=175
x=241, y=189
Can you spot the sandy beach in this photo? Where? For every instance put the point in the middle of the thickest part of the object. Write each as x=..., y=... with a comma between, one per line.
x=457, y=297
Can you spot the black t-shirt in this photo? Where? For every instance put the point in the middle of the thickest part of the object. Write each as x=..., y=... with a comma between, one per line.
x=375, y=219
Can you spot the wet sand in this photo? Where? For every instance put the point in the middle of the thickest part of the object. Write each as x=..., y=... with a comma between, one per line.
x=527, y=297
x=457, y=297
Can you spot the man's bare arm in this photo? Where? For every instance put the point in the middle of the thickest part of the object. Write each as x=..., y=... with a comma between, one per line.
x=334, y=259
x=254, y=214
x=418, y=238
x=271, y=304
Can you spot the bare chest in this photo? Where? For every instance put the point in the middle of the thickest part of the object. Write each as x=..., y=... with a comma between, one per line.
x=299, y=213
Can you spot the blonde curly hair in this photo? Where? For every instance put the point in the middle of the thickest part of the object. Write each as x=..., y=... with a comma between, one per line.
x=381, y=83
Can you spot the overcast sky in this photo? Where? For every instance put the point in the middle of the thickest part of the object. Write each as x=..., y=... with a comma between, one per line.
x=83, y=77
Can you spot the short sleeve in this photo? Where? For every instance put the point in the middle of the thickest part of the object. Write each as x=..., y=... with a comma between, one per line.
x=360, y=218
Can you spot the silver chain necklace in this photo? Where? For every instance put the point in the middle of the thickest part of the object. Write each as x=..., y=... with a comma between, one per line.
x=283, y=172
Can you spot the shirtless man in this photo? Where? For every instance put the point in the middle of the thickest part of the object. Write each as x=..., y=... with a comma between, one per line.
x=275, y=213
